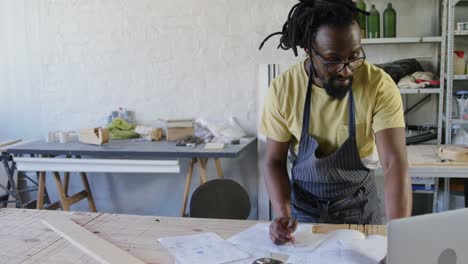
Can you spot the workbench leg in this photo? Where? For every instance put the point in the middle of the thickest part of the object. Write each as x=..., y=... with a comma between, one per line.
x=202, y=163
x=466, y=192
x=436, y=195
x=40, y=190
x=7, y=195
x=66, y=179
x=188, y=181
x=219, y=168
x=66, y=182
x=446, y=194
x=11, y=179
x=91, y=204
x=64, y=202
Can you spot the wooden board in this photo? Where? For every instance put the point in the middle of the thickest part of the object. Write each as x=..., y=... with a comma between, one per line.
x=94, y=136
x=96, y=247
x=427, y=156
x=453, y=153
x=365, y=229
x=5, y=144
x=24, y=239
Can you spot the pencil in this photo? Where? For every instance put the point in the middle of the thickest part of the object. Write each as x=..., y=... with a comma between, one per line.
x=292, y=241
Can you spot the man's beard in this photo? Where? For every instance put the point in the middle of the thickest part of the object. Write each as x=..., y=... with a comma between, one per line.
x=337, y=92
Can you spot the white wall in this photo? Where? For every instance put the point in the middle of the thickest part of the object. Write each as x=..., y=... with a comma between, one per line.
x=65, y=64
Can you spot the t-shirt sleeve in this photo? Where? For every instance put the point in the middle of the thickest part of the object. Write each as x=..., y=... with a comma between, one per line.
x=388, y=110
x=273, y=123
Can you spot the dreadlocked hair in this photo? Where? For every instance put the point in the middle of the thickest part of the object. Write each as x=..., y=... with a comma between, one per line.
x=306, y=17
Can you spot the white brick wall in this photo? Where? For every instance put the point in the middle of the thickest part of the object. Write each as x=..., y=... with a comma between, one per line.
x=74, y=61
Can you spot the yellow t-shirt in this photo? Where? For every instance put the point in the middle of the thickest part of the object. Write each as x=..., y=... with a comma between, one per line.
x=377, y=100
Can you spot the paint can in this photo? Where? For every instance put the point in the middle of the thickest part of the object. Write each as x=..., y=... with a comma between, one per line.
x=50, y=137
x=63, y=137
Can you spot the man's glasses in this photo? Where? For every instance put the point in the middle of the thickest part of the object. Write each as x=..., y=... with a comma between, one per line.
x=338, y=66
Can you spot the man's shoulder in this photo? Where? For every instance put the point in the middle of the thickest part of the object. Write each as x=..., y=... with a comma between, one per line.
x=372, y=75
x=290, y=81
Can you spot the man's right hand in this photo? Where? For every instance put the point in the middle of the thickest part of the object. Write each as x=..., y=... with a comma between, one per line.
x=281, y=229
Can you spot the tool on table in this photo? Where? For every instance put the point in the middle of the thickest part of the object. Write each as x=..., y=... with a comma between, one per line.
x=267, y=261
x=189, y=141
x=453, y=153
x=95, y=136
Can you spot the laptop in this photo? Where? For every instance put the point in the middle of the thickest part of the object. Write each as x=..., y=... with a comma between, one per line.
x=440, y=238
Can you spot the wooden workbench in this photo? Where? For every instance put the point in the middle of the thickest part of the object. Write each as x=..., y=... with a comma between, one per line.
x=425, y=163
x=24, y=239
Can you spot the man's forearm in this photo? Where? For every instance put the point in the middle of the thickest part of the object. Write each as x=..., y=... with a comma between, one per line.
x=279, y=188
x=398, y=192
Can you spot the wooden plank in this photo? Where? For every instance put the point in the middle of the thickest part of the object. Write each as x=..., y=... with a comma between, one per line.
x=41, y=190
x=64, y=201
x=24, y=239
x=9, y=142
x=96, y=247
x=89, y=195
x=219, y=169
x=365, y=229
x=5, y=144
x=188, y=181
x=202, y=163
x=423, y=154
x=453, y=153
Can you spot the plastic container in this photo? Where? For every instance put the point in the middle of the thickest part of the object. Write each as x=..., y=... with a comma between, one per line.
x=459, y=63
x=462, y=26
x=389, y=22
x=373, y=23
x=462, y=103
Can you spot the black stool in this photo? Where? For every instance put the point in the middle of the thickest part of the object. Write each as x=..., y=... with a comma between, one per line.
x=221, y=199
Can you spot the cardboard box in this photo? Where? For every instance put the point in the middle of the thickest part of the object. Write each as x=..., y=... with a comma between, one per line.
x=178, y=128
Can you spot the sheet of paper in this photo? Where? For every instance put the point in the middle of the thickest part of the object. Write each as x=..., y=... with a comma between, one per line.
x=345, y=247
x=206, y=248
x=254, y=253
x=258, y=237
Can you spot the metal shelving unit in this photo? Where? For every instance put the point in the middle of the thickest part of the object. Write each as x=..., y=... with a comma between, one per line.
x=450, y=78
x=410, y=40
x=439, y=40
x=422, y=91
x=439, y=59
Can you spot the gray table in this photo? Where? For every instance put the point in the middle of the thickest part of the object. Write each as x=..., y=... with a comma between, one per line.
x=130, y=148
x=126, y=155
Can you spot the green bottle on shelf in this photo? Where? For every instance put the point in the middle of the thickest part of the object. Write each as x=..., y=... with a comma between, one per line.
x=362, y=18
x=373, y=23
x=389, y=22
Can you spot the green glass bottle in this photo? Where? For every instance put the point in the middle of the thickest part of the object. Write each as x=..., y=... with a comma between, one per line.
x=362, y=18
x=373, y=23
x=389, y=22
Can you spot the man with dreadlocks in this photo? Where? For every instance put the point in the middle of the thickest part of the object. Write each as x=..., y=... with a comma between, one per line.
x=332, y=110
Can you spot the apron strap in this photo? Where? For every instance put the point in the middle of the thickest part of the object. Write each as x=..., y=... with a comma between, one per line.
x=351, y=114
x=306, y=118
